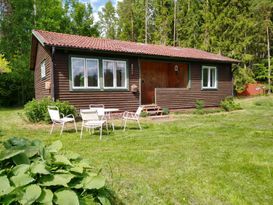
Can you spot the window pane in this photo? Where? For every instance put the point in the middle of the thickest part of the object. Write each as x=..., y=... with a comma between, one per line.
x=212, y=77
x=205, y=77
x=92, y=72
x=108, y=68
x=78, y=72
x=120, y=73
x=43, y=70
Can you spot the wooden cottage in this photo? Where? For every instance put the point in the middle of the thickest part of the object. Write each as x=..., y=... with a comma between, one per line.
x=85, y=70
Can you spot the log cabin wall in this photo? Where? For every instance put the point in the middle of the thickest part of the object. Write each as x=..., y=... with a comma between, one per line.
x=40, y=90
x=123, y=100
x=178, y=98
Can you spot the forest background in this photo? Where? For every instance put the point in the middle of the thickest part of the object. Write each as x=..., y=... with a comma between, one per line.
x=240, y=29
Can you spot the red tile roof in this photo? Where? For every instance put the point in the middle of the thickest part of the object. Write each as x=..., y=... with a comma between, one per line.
x=101, y=44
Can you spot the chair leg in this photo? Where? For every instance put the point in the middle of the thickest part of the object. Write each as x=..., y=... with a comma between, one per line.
x=75, y=125
x=139, y=124
x=125, y=121
x=52, y=126
x=113, y=127
x=101, y=132
x=107, y=128
x=62, y=128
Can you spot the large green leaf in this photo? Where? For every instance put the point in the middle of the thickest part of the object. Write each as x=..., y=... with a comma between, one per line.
x=21, y=159
x=5, y=187
x=16, y=142
x=55, y=147
x=6, y=154
x=20, y=169
x=77, y=169
x=104, y=200
x=32, y=193
x=93, y=182
x=21, y=180
x=66, y=197
x=76, y=183
x=32, y=151
x=46, y=197
x=61, y=160
x=56, y=180
x=84, y=163
x=9, y=199
x=72, y=155
x=39, y=168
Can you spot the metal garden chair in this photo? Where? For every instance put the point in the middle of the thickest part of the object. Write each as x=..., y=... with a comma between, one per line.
x=133, y=116
x=56, y=118
x=91, y=120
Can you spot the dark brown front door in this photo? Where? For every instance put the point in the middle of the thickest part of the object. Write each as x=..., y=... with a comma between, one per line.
x=153, y=75
x=161, y=75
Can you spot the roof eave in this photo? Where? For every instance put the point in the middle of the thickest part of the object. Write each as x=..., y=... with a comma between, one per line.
x=144, y=55
x=38, y=37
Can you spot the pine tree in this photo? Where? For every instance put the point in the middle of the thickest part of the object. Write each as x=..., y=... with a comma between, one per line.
x=265, y=9
x=108, y=21
x=81, y=19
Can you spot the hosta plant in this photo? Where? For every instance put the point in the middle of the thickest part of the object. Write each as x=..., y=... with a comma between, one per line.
x=32, y=173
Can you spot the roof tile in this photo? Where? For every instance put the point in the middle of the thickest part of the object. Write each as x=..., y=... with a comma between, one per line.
x=101, y=44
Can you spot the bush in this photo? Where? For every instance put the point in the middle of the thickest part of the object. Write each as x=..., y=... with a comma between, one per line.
x=36, y=110
x=165, y=111
x=199, y=105
x=144, y=114
x=34, y=173
x=228, y=104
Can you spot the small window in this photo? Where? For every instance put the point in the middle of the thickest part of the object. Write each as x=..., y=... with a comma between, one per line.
x=43, y=70
x=209, y=77
x=85, y=73
x=114, y=74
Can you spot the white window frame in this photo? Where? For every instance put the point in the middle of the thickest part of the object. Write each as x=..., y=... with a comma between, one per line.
x=85, y=73
x=115, y=74
x=209, y=68
x=43, y=69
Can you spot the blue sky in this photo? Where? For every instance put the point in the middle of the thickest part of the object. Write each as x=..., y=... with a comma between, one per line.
x=97, y=5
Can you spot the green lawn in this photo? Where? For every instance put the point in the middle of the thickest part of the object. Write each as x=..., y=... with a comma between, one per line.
x=223, y=158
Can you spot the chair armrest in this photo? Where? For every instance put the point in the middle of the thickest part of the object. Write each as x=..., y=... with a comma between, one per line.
x=62, y=115
x=129, y=114
x=70, y=115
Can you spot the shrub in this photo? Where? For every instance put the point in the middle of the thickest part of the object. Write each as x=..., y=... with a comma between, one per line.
x=165, y=111
x=34, y=173
x=199, y=105
x=228, y=104
x=36, y=110
x=144, y=114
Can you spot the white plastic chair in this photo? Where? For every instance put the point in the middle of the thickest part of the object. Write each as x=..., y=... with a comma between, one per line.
x=54, y=114
x=91, y=120
x=134, y=116
x=101, y=112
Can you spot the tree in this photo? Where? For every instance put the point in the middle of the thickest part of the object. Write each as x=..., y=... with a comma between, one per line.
x=4, y=65
x=81, y=18
x=108, y=21
x=163, y=32
x=264, y=8
x=50, y=15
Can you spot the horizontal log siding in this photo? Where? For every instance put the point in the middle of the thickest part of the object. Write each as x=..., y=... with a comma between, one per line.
x=123, y=100
x=42, y=55
x=176, y=98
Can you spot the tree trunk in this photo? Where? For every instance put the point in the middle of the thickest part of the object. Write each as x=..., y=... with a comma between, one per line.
x=269, y=61
x=206, y=38
x=146, y=21
x=34, y=11
x=174, y=24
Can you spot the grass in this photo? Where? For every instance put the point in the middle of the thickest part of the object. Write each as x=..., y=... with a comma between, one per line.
x=221, y=158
